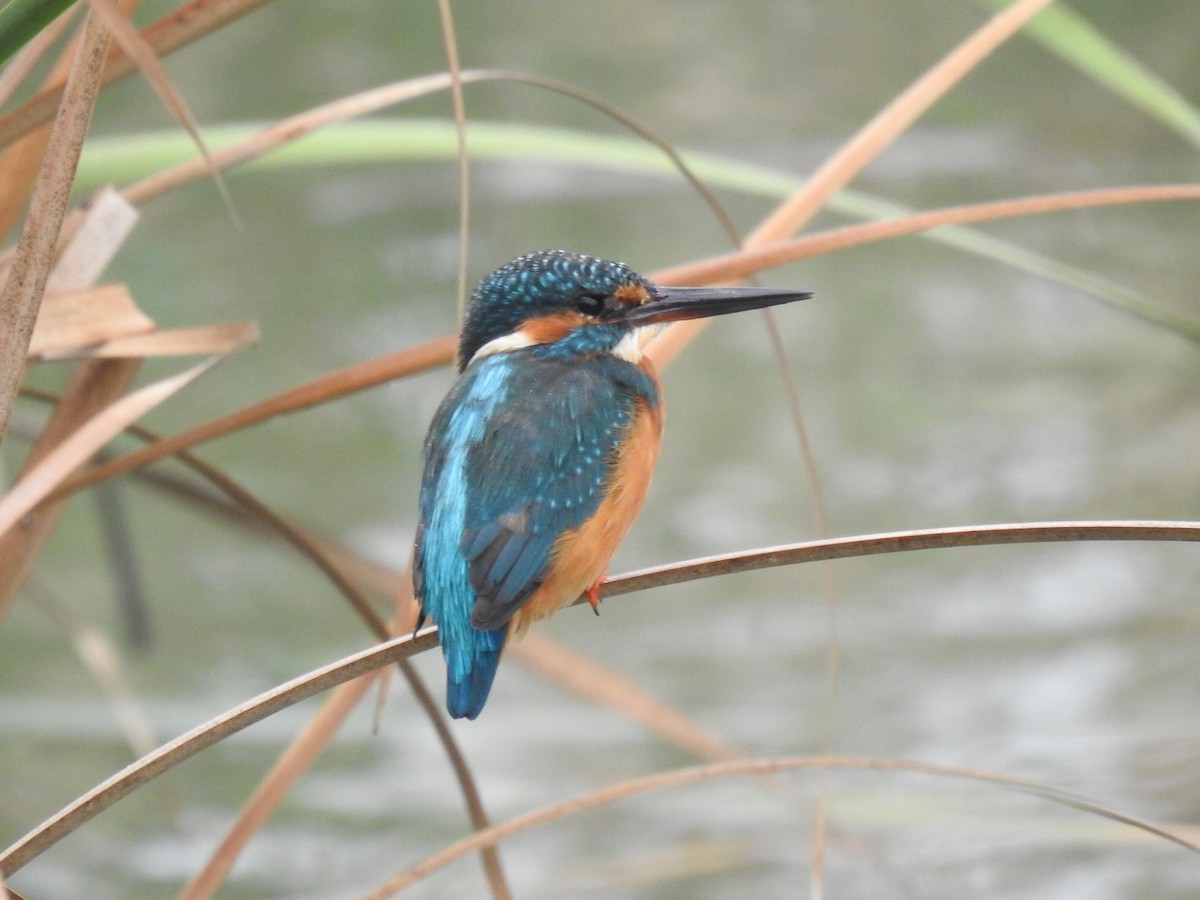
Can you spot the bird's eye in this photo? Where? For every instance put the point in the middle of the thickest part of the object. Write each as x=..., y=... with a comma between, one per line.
x=590, y=304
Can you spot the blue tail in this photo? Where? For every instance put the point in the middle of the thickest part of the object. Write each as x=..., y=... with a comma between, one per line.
x=470, y=671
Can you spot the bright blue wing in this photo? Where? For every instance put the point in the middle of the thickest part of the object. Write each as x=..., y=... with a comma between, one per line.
x=441, y=581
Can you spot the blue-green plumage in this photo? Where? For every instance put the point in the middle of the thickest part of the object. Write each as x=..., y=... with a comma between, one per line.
x=525, y=446
x=519, y=452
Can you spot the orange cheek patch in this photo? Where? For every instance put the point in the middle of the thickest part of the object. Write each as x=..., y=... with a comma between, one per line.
x=548, y=329
x=631, y=294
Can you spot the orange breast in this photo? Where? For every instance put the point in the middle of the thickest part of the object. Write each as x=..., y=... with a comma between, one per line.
x=580, y=557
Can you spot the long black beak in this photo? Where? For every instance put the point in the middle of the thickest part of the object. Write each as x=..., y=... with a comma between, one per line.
x=671, y=304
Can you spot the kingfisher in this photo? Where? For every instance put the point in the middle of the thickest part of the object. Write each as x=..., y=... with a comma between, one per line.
x=538, y=459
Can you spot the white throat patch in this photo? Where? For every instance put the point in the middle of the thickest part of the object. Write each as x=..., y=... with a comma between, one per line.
x=633, y=346
x=515, y=340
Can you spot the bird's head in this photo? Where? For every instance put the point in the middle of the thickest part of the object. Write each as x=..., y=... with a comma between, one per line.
x=582, y=305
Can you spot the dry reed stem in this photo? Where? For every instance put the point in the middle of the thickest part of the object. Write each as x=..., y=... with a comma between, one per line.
x=284, y=131
x=20, y=163
x=151, y=766
x=176, y=29
x=747, y=262
x=276, y=785
x=361, y=104
x=24, y=60
x=300, y=755
x=870, y=140
x=353, y=378
x=75, y=450
x=891, y=121
x=306, y=748
x=454, y=68
x=22, y=293
x=697, y=774
x=901, y=542
x=94, y=386
x=139, y=51
x=120, y=26
x=198, y=340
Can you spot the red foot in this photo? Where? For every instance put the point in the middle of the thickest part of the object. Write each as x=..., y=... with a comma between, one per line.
x=593, y=593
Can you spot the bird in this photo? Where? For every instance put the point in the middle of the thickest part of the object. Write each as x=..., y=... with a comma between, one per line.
x=538, y=460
